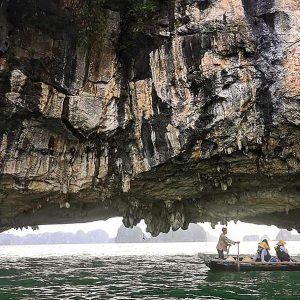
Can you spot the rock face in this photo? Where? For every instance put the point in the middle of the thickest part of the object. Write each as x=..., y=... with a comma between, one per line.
x=264, y=237
x=129, y=235
x=172, y=111
x=50, y=238
x=285, y=235
x=251, y=238
x=195, y=233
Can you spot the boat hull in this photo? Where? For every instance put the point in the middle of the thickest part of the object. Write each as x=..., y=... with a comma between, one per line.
x=218, y=265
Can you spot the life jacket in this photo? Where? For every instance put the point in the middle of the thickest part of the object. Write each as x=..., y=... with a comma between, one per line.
x=282, y=256
x=268, y=256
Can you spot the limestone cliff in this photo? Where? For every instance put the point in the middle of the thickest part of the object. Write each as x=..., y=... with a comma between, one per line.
x=171, y=111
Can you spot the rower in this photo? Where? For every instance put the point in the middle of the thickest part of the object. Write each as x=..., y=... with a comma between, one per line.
x=223, y=243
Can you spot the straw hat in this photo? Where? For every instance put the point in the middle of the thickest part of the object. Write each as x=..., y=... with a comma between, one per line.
x=230, y=258
x=263, y=245
x=247, y=259
x=281, y=243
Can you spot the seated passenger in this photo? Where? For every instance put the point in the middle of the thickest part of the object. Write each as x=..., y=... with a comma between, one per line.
x=263, y=254
x=281, y=252
x=266, y=241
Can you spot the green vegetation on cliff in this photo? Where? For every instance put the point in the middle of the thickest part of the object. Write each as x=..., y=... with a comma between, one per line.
x=140, y=11
x=91, y=19
x=138, y=19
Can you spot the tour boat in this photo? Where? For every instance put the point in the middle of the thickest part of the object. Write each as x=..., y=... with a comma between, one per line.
x=216, y=264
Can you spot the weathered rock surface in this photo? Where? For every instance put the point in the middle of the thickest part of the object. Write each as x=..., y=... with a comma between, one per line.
x=194, y=233
x=285, y=235
x=130, y=235
x=190, y=115
x=251, y=238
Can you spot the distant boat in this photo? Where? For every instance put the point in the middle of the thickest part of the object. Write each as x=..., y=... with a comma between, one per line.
x=216, y=264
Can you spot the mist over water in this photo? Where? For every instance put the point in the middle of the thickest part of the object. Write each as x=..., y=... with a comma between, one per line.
x=132, y=271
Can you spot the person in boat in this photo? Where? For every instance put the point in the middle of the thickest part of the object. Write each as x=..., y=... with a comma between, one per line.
x=223, y=243
x=266, y=241
x=281, y=252
x=262, y=254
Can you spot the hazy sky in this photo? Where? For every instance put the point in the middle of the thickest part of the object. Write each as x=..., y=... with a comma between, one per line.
x=235, y=231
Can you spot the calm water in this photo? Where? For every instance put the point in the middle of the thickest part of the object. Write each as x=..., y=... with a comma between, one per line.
x=132, y=271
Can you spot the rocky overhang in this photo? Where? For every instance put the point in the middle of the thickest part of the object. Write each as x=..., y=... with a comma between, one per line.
x=173, y=111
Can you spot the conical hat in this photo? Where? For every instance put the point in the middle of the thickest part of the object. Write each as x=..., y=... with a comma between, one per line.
x=247, y=259
x=281, y=243
x=230, y=258
x=263, y=245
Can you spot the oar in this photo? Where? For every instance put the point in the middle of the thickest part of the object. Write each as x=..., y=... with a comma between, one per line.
x=238, y=256
x=228, y=250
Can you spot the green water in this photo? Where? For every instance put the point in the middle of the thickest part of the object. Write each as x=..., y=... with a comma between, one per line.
x=136, y=277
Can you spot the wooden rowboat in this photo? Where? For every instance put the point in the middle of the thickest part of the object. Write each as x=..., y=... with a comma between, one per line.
x=216, y=264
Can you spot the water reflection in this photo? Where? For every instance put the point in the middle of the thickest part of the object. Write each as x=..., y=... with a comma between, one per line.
x=136, y=277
